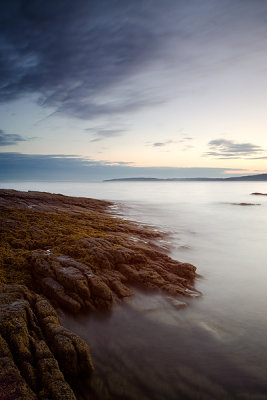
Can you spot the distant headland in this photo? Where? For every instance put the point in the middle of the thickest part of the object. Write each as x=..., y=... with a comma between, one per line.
x=260, y=177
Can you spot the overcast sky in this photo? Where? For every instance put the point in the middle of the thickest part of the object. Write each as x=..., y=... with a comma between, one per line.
x=130, y=87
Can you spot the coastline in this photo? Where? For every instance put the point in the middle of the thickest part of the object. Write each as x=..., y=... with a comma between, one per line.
x=68, y=253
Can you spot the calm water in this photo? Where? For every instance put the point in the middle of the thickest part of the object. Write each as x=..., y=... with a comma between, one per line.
x=216, y=348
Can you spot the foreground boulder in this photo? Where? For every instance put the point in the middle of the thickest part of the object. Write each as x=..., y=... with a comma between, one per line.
x=38, y=357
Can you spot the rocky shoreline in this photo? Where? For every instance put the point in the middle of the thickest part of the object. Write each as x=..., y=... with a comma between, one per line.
x=68, y=253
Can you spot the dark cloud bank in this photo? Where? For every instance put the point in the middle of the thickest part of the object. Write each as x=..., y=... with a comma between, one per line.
x=18, y=167
x=73, y=54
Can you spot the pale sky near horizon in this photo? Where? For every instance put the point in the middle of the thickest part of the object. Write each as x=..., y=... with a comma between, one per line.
x=156, y=83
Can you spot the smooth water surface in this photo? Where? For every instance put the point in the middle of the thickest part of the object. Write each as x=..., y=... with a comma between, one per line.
x=215, y=348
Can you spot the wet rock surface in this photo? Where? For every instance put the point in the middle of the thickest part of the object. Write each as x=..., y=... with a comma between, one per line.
x=72, y=254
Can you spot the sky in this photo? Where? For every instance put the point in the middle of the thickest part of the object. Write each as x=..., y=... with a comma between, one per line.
x=99, y=89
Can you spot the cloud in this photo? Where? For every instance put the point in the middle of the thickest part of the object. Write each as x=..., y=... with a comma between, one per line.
x=47, y=167
x=76, y=55
x=122, y=163
x=185, y=139
x=82, y=57
x=161, y=144
x=102, y=134
x=225, y=149
x=8, y=139
x=58, y=167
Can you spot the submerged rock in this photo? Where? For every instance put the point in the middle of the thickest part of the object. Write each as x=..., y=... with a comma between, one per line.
x=178, y=304
x=246, y=204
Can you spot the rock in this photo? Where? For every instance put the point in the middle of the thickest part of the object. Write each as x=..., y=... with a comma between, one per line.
x=92, y=258
x=101, y=294
x=177, y=303
x=131, y=274
x=71, y=351
x=12, y=384
x=120, y=289
x=246, y=204
x=74, y=286
x=38, y=357
x=55, y=291
x=70, y=284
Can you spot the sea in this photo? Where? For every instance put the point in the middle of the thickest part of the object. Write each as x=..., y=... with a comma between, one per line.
x=216, y=346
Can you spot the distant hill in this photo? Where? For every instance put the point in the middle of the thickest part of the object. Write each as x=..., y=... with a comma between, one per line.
x=260, y=177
